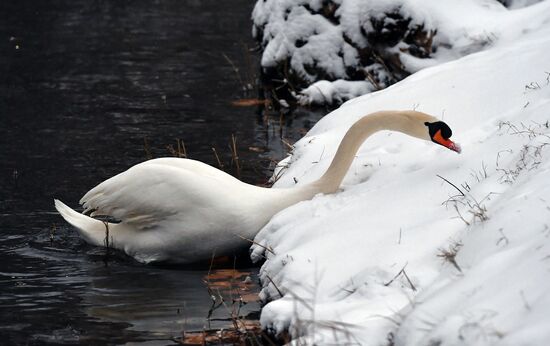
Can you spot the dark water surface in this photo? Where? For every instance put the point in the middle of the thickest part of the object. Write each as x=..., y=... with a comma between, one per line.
x=82, y=84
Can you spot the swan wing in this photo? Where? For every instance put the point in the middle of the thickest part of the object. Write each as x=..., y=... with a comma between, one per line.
x=152, y=192
x=194, y=166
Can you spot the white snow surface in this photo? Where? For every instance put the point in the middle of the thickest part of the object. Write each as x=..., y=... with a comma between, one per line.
x=325, y=92
x=293, y=30
x=366, y=265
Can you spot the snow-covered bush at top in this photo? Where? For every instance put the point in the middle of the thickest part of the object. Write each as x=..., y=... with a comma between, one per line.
x=373, y=42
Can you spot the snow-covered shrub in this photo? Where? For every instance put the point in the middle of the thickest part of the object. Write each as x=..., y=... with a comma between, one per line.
x=377, y=42
x=310, y=40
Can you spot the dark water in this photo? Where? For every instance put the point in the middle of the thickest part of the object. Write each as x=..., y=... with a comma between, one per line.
x=83, y=85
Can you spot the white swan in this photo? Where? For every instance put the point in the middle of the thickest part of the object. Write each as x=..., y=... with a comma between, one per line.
x=181, y=210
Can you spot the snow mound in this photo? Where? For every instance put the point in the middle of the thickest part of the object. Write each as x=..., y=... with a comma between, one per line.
x=378, y=42
x=404, y=257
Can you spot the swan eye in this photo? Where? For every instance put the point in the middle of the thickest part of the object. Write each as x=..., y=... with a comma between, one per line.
x=437, y=126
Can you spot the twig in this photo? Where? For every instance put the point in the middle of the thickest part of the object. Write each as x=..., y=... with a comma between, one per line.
x=213, y=307
x=399, y=240
x=236, y=70
x=408, y=280
x=220, y=164
x=181, y=147
x=453, y=185
x=402, y=271
x=256, y=243
x=235, y=155
x=273, y=283
x=460, y=216
x=372, y=81
x=106, y=242
x=287, y=144
x=147, y=148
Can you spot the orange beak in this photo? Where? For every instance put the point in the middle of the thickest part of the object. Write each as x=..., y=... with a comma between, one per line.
x=447, y=143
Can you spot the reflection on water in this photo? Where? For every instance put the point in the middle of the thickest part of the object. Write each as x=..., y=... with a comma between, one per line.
x=84, y=85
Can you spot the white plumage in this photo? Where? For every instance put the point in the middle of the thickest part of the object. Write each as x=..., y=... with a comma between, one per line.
x=176, y=210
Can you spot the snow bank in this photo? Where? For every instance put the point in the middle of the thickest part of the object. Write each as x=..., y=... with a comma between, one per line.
x=378, y=42
x=325, y=92
x=401, y=256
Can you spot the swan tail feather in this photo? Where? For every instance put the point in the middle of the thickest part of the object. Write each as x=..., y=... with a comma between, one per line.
x=92, y=230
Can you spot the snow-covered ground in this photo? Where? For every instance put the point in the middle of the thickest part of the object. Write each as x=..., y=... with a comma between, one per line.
x=401, y=256
x=327, y=44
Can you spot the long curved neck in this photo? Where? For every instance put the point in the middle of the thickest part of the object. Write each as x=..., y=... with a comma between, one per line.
x=385, y=120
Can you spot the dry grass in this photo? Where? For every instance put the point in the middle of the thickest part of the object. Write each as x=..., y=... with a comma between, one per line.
x=247, y=77
x=179, y=150
x=465, y=199
x=530, y=155
x=449, y=254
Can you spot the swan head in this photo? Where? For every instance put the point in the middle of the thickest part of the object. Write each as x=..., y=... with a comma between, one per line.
x=427, y=127
x=440, y=133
